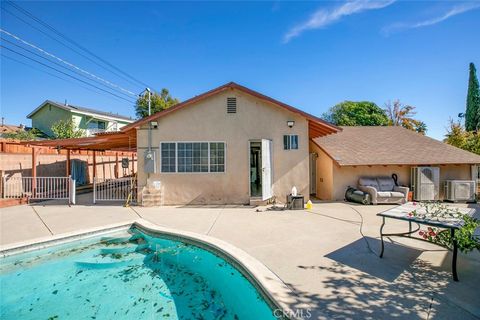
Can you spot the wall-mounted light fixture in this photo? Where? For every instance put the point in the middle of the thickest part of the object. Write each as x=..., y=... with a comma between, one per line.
x=154, y=124
x=290, y=123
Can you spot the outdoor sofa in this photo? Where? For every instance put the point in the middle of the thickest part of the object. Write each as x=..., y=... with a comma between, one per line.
x=383, y=190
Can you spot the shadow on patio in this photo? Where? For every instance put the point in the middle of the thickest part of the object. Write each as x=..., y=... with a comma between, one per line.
x=358, y=284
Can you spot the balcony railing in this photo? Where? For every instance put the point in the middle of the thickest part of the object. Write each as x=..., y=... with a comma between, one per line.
x=93, y=131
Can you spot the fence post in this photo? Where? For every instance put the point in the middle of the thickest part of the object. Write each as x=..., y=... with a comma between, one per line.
x=4, y=183
x=72, y=190
x=94, y=190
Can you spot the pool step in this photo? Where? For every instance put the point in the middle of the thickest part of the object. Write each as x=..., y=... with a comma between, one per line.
x=112, y=258
x=115, y=239
x=104, y=265
x=123, y=250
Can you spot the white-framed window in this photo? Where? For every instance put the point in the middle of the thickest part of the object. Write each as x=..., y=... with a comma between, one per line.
x=195, y=157
x=290, y=142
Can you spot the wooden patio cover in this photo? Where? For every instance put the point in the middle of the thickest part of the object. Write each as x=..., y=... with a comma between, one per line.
x=113, y=141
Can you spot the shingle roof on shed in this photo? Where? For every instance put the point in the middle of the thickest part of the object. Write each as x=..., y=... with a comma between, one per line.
x=390, y=145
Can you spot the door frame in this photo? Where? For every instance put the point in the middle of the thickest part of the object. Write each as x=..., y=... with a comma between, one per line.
x=313, y=157
x=270, y=169
x=249, y=145
x=259, y=140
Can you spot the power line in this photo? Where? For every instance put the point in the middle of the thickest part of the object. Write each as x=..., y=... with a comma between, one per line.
x=69, y=75
x=66, y=62
x=54, y=75
x=60, y=65
x=46, y=25
x=66, y=45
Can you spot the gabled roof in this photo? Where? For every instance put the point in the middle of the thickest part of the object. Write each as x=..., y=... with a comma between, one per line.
x=317, y=126
x=357, y=146
x=82, y=110
x=10, y=128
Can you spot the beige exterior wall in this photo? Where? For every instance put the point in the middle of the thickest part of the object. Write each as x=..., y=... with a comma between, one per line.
x=324, y=173
x=208, y=121
x=348, y=176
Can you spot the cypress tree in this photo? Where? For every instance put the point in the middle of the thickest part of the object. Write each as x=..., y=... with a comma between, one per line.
x=472, y=115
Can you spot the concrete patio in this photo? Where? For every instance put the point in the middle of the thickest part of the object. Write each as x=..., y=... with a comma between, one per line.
x=320, y=254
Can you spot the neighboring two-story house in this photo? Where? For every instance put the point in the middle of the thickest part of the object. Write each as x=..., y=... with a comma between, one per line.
x=89, y=120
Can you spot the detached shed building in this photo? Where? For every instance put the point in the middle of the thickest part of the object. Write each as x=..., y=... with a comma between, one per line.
x=381, y=151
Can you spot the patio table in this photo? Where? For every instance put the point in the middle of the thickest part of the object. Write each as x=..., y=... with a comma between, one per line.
x=404, y=211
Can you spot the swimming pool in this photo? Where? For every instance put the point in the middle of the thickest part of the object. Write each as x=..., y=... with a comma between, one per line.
x=128, y=274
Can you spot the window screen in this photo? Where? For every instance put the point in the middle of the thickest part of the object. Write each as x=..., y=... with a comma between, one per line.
x=217, y=157
x=193, y=157
x=168, y=157
x=290, y=142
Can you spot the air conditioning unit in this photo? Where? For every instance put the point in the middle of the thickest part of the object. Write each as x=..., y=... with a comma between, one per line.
x=425, y=183
x=460, y=190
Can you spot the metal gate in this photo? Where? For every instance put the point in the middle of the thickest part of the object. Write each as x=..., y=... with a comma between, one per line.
x=114, y=189
x=41, y=188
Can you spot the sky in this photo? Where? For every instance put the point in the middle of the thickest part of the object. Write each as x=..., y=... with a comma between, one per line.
x=311, y=55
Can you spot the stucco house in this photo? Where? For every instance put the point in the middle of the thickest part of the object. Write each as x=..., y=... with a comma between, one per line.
x=90, y=120
x=233, y=145
x=230, y=145
x=381, y=151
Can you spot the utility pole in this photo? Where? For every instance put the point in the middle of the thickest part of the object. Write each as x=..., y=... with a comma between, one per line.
x=149, y=101
x=149, y=155
x=149, y=122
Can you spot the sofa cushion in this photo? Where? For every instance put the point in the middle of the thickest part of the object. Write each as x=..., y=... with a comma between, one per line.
x=384, y=194
x=385, y=183
x=397, y=194
x=368, y=182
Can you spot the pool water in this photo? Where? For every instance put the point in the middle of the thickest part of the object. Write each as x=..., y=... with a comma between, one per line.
x=127, y=275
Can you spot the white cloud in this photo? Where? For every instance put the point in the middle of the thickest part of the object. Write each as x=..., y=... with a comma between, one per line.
x=456, y=10
x=322, y=17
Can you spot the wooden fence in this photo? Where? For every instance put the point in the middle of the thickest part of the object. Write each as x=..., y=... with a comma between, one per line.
x=17, y=147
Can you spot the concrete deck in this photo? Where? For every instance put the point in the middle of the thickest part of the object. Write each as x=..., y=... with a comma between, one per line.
x=320, y=254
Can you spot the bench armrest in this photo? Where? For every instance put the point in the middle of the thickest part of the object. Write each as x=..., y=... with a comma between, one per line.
x=371, y=191
x=403, y=190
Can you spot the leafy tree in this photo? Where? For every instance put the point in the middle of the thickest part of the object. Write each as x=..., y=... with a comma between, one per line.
x=352, y=113
x=159, y=102
x=402, y=115
x=66, y=129
x=459, y=137
x=27, y=135
x=421, y=127
x=472, y=115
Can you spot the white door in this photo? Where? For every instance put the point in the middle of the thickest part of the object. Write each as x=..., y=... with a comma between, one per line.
x=266, y=169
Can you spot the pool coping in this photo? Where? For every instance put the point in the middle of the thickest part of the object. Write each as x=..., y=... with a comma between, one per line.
x=276, y=293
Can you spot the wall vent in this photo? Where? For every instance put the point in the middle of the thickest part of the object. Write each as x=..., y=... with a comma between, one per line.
x=231, y=105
